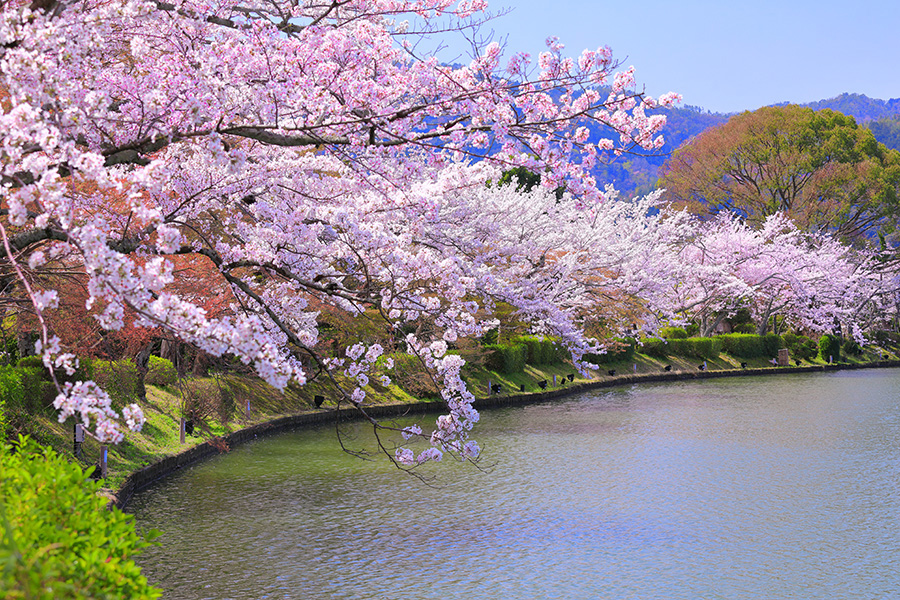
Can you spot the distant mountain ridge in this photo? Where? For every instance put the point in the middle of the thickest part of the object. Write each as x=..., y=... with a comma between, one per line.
x=860, y=107
x=636, y=174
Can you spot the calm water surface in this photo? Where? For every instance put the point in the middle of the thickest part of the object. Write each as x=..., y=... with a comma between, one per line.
x=739, y=488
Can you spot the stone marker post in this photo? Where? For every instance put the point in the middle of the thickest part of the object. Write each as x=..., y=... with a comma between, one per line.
x=784, y=357
x=79, y=439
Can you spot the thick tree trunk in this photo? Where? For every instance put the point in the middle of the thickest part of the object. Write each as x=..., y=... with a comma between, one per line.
x=142, y=361
x=709, y=328
x=171, y=351
x=24, y=344
x=201, y=364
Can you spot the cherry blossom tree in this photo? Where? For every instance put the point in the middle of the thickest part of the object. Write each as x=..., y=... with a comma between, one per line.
x=560, y=264
x=812, y=280
x=311, y=156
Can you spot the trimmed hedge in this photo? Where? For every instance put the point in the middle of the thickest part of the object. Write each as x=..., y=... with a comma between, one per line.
x=39, y=390
x=540, y=350
x=673, y=333
x=773, y=344
x=654, y=347
x=506, y=358
x=699, y=347
x=38, y=385
x=31, y=362
x=744, y=345
x=830, y=347
x=749, y=345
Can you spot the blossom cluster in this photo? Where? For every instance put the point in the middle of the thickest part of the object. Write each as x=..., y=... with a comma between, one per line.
x=86, y=400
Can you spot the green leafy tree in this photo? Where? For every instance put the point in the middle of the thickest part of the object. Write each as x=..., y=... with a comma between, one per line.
x=818, y=167
x=58, y=541
x=887, y=131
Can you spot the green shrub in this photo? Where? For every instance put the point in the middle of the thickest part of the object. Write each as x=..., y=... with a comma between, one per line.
x=83, y=372
x=160, y=372
x=540, y=350
x=750, y=345
x=807, y=349
x=57, y=539
x=800, y=346
x=773, y=343
x=12, y=395
x=31, y=362
x=10, y=350
x=654, y=347
x=698, y=347
x=619, y=349
x=39, y=392
x=743, y=345
x=506, y=358
x=120, y=379
x=37, y=384
x=830, y=346
x=852, y=348
x=490, y=337
x=673, y=333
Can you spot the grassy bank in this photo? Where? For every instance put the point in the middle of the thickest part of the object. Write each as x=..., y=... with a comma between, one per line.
x=227, y=412
x=224, y=410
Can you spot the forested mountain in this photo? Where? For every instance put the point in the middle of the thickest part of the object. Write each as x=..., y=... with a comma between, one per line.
x=860, y=107
x=887, y=131
x=636, y=174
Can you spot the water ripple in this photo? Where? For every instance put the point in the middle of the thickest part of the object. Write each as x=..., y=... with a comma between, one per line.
x=747, y=488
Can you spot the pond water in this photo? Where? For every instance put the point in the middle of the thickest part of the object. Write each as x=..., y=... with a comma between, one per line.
x=758, y=487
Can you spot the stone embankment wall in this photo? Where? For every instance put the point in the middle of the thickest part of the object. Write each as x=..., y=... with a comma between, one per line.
x=150, y=474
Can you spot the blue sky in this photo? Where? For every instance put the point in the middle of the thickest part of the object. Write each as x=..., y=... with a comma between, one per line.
x=727, y=55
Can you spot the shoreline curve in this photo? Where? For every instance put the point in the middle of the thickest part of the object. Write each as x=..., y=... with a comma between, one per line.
x=149, y=475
